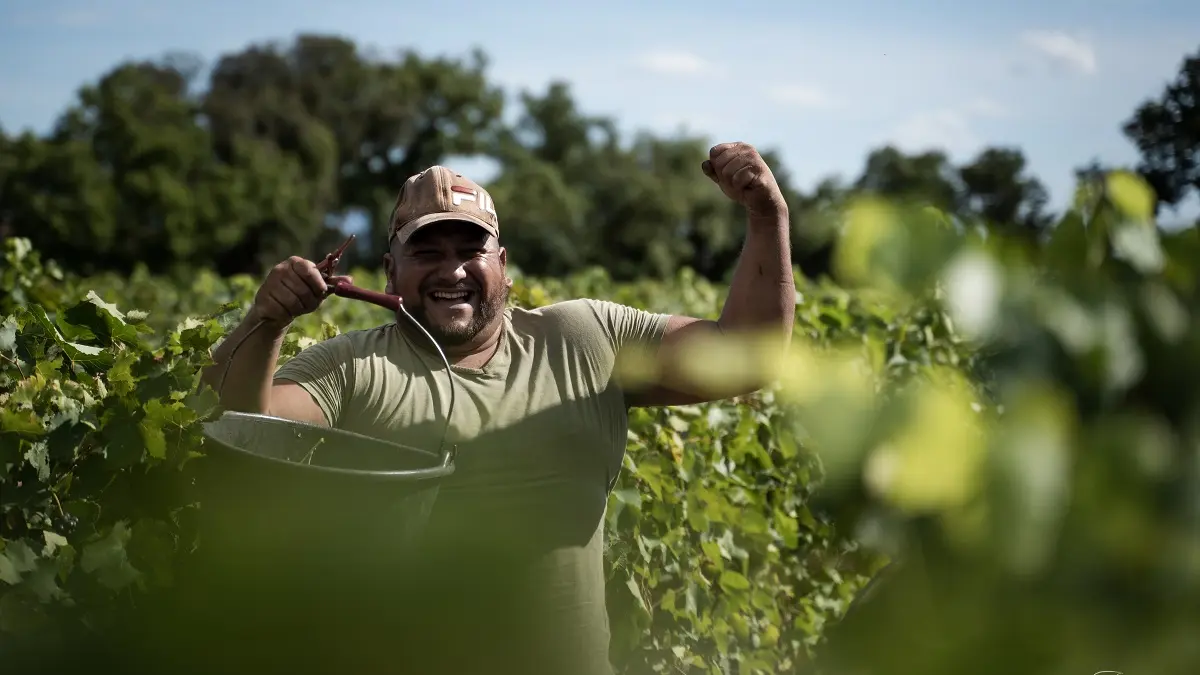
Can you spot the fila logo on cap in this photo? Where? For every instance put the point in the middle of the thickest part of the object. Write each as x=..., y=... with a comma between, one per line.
x=459, y=193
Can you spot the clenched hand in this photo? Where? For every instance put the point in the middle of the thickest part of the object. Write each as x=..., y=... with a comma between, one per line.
x=745, y=178
x=293, y=288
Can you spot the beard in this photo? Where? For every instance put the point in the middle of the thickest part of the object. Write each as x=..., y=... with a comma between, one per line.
x=456, y=334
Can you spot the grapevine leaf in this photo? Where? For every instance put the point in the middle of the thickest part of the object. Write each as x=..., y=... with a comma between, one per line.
x=162, y=418
x=49, y=368
x=98, y=357
x=108, y=559
x=38, y=456
x=54, y=541
x=43, y=582
x=120, y=376
x=733, y=581
x=23, y=422
x=75, y=351
x=8, y=335
x=20, y=557
x=93, y=319
x=8, y=571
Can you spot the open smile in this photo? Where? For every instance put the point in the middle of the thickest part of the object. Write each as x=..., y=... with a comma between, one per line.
x=451, y=299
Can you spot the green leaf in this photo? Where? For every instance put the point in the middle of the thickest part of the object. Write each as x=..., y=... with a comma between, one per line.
x=20, y=559
x=38, y=456
x=1131, y=195
x=163, y=418
x=8, y=571
x=43, y=582
x=93, y=320
x=54, y=541
x=120, y=374
x=8, y=335
x=108, y=560
x=77, y=352
x=732, y=581
x=633, y=588
x=23, y=422
x=97, y=357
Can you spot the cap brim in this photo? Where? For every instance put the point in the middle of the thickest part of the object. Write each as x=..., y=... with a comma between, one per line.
x=410, y=228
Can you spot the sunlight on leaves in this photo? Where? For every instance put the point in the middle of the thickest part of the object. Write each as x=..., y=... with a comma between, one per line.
x=974, y=286
x=833, y=395
x=1131, y=195
x=934, y=462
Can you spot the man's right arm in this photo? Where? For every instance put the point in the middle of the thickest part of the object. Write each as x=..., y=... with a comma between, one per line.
x=247, y=361
x=243, y=374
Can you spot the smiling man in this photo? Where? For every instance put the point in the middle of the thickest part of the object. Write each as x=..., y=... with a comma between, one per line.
x=457, y=311
x=515, y=581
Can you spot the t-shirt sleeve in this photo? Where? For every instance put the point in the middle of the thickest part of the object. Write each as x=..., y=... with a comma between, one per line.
x=629, y=328
x=326, y=371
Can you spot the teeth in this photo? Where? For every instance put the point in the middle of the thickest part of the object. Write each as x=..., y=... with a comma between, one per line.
x=443, y=295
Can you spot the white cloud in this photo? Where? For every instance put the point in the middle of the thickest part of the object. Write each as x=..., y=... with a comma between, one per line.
x=673, y=62
x=1062, y=50
x=800, y=95
x=948, y=130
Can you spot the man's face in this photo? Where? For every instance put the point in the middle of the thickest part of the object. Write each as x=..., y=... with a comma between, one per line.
x=452, y=278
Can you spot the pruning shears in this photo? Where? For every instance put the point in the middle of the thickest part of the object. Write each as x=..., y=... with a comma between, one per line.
x=343, y=288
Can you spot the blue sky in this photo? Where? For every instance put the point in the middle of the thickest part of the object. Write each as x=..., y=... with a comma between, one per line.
x=821, y=82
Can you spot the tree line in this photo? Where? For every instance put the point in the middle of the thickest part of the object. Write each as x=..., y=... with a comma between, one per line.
x=265, y=156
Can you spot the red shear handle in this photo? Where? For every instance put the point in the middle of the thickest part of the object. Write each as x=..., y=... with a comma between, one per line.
x=345, y=289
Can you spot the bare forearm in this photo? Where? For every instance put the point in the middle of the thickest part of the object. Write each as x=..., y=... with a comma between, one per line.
x=762, y=295
x=246, y=360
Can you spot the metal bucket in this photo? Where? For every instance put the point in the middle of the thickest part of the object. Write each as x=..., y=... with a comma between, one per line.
x=310, y=550
x=276, y=492
x=305, y=556
x=284, y=504
x=309, y=556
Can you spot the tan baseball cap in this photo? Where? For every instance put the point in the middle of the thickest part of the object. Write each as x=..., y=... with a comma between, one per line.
x=439, y=194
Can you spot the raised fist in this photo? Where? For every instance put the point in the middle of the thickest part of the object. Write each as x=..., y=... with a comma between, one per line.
x=745, y=178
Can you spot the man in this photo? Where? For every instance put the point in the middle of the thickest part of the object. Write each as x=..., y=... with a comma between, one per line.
x=516, y=579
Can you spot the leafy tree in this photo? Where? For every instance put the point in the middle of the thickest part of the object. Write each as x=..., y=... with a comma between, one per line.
x=998, y=191
x=359, y=125
x=992, y=188
x=636, y=208
x=1166, y=132
x=816, y=223
x=544, y=158
x=927, y=177
x=129, y=176
x=286, y=140
x=7, y=168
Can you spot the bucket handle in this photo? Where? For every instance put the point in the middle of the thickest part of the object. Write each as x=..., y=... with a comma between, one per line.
x=447, y=455
x=328, y=267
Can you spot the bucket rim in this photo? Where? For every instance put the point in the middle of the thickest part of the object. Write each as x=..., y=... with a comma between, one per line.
x=441, y=467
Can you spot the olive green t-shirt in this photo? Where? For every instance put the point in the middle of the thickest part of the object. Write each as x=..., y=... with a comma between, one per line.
x=516, y=537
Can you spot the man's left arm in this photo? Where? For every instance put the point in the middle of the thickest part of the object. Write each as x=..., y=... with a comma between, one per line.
x=762, y=295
